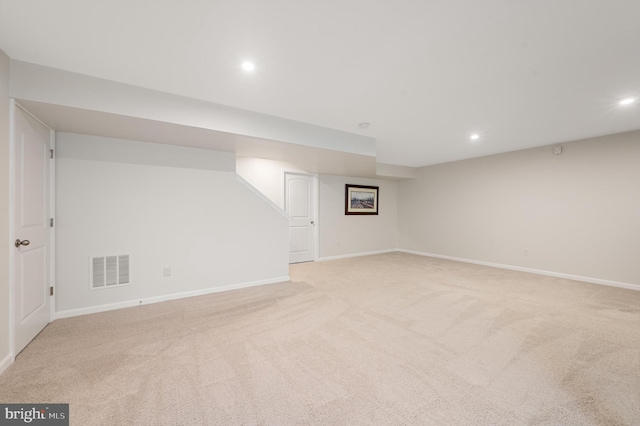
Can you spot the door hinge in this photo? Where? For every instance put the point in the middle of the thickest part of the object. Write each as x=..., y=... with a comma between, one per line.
x=51, y=223
x=50, y=153
x=51, y=291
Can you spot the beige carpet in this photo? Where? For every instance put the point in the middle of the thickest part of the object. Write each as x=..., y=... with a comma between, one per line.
x=389, y=339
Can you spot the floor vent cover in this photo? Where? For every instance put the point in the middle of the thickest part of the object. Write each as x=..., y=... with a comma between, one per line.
x=109, y=271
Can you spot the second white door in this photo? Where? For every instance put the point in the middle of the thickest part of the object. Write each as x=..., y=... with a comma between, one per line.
x=299, y=201
x=31, y=210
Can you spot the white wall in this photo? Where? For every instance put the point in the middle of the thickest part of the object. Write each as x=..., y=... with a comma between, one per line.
x=338, y=234
x=165, y=206
x=5, y=355
x=267, y=176
x=342, y=234
x=577, y=213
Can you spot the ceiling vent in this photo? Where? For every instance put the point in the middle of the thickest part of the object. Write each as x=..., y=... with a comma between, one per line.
x=109, y=271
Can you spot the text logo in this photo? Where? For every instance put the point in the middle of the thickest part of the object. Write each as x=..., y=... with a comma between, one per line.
x=34, y=414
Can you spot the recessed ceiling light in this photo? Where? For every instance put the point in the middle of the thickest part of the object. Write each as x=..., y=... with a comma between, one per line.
x=364, y=125
x=475, y=136
x=626, y=101
x=248, y=66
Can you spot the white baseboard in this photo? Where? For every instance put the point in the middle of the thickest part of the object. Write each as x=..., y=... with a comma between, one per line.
x=345, y=256
x=530, y=270
x=157, y=299
x=6, y=362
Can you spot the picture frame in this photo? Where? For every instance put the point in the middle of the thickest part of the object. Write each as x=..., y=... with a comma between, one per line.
x=361, y=200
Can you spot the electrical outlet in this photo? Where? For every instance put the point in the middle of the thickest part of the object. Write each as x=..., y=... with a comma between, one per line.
x=167, y=271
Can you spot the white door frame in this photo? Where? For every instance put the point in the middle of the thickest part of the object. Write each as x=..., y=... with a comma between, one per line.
x=12, y=193
x=283, y=185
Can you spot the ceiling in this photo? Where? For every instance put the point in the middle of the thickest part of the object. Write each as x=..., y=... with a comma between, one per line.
x=424, y=74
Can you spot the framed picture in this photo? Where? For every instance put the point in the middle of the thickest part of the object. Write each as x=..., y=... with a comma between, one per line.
x=360, y=199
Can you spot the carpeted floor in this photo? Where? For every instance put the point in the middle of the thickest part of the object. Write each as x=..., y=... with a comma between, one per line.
x=389, y=339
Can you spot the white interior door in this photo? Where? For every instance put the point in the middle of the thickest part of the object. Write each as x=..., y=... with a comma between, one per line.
x=299, y=203
x=31, y=228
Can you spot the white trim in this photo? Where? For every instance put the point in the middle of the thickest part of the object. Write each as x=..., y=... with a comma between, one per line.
x=157, y=299
x=6, y=362
x=609, y=283
x=262, y=197
x=12, y=195
x=316, y=227
x=52, y=231
x=346, y=256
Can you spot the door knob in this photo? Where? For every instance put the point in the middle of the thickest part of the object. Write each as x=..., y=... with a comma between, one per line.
x=312, y=222
x=22, y=243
